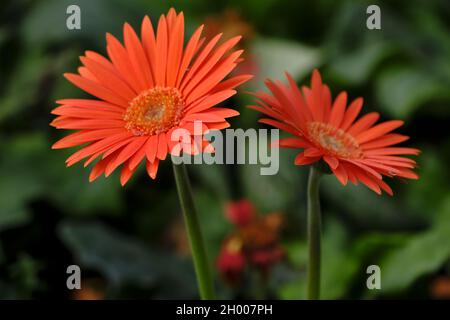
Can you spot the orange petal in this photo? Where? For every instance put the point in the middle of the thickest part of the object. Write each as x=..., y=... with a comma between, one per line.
x=95, y=147
x=89, y=103
x=87, y=113
x=368, y=181
x=267, y=111
x=137, y=57
x=162, y=146
x=223, y=112
x=152, y=168
x=81, y=137
x=279, y=125
x=392, y=151
x=86, y=73
x=100, y=60
x=340, y=173
x=301, y=160
x=332, y=161
x=125, y=175
x=385, y=187
x=316, y=105
x=352, y=113
x=109, y=79
x=130, y=149
x=74, y=124
x=294, y=142
x=338, y=109
x=214, y=77
x=326, y=100
x=175, y=53
x=378, y=130
x=149, y=44
x=161, y=52
x=299, y=100
x=138, y=156
x=386, y=140
x=210, y=63
x=312, y=152
x=188, y=54
x=409, y=174
x=199, y=60
x=120, y=59
x=232, y=83
x=218, y=125
x=204, y=117
x=364, y=167
x=98, y=169
x=363, y=123
x=112, y=149
x=210, y=101
x=96, y=89
x=151, y=148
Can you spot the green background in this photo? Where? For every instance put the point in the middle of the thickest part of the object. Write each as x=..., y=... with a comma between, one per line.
x=51, y=216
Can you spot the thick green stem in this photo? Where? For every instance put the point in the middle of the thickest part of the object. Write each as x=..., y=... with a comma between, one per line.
x=202, y=271
x=314, y=234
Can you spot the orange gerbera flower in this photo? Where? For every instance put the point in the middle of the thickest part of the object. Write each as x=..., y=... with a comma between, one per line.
x=147, y=88
x=355, y=150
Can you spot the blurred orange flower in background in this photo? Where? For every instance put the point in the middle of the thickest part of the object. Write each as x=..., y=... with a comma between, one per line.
x=146, y=89
x=254, y=243
x=355, y=150
x=91, y=289
x=440, y=288
x=231, y=23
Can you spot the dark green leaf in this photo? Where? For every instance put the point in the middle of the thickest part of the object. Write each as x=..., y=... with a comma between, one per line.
x=422, y=255
x=401, y=90
x=123, y=260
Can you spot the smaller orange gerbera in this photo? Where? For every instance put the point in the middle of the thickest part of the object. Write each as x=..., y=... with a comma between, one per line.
x=356, y=150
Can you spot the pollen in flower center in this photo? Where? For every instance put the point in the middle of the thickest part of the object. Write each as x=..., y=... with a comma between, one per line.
x=334, y=140
x=154, y=111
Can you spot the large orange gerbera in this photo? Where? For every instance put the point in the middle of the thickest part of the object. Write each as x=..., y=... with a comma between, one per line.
x=355, y=150
x=146, y=89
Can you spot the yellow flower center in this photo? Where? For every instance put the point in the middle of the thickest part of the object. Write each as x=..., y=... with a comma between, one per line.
x=154, y=111
x=234, y=245
x=334, y=140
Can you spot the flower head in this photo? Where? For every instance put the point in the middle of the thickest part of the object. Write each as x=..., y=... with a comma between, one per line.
x=254, y=242
x=144, y=90
x=356, y=150
x=240, y=212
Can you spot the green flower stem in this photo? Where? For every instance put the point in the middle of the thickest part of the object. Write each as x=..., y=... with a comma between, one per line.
x=204, y=278
x=314, y=234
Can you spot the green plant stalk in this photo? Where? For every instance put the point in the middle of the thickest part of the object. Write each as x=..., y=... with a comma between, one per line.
x=314, y=234
x=202, y=271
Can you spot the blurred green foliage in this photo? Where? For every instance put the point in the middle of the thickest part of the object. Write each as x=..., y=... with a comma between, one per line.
x=51, y=217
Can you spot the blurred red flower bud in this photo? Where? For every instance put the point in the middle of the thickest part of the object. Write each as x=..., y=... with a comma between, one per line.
x=231, y=260
x=240, y=212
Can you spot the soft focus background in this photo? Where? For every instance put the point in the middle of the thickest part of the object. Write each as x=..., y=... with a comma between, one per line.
x=130, y=242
